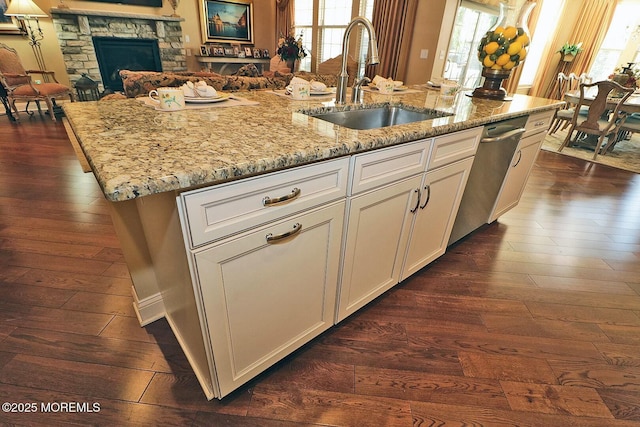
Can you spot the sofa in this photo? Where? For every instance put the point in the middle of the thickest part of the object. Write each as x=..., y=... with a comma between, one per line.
x=140, y=83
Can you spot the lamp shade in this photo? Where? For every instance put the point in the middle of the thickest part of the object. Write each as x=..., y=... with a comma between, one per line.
x=25, y=8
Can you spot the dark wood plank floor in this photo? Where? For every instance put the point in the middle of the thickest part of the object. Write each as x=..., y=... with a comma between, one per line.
x=532, y=321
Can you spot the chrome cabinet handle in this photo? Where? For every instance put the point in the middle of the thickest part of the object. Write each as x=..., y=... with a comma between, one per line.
x=426, y=202
x=297, y=227
x=519, y=158
x=268, y=201
x=540, y=123
x=417, y=190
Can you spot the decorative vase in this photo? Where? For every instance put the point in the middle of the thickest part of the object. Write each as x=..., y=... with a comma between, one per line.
x=174, y=5
x=567, y=57
x=291, y=64
x=503, y=48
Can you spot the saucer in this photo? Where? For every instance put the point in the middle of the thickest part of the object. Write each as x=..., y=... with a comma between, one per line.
x=205, y=100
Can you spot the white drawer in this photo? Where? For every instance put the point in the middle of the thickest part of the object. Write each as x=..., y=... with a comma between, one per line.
x=381, y=167
x=538, y=122
x=456, y=146
x=216, y=212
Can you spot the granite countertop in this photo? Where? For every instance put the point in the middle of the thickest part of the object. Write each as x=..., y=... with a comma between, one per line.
x=135, y=150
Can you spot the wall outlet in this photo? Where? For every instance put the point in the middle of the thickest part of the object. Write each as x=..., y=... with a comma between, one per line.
x=188, y=52
x=424, y=53
x=187, y=39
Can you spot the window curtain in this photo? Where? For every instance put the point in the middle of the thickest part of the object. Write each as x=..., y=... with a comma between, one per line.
x=284, y=17
x=590, y=28
x=511, y=85
x=393, y=21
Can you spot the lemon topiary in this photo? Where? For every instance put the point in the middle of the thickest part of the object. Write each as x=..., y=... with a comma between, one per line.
x=503, y=48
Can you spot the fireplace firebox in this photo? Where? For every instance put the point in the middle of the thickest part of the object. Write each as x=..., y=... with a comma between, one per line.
x=115, y=54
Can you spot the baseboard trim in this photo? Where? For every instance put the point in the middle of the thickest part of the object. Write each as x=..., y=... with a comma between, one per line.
x=149, y=309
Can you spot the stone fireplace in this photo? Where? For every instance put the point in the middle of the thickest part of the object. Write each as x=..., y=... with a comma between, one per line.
x=77, y=30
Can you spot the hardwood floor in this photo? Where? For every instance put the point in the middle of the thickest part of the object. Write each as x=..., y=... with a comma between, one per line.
x=532, y=321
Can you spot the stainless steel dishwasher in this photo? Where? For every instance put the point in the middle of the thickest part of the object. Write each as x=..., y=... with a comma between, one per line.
x=493, y=158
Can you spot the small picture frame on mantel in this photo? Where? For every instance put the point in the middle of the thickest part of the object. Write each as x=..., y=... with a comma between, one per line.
x=204, y=50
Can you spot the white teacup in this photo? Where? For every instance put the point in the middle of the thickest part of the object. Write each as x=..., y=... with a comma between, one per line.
x=168, y=98
x=449, y=88
x=300, y=90
x=386, y=87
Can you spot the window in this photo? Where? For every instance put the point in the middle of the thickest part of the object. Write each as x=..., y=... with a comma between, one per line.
x=543, y=36
x=322, y=24
x=620, y=46
x=471, y=23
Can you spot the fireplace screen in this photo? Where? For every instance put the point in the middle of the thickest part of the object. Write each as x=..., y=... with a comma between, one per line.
x=115, y=54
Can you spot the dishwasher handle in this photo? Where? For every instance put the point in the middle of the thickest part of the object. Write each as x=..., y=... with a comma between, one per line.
x=502, y=137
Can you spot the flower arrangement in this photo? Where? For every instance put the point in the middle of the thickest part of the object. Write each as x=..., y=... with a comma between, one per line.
x=626, y=76
x=290, y=48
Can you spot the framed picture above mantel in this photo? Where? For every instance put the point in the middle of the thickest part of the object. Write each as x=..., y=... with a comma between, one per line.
x=226, y=21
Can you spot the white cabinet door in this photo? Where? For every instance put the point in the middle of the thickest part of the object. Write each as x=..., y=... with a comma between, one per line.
x=263, y=299
x=379, y=223
x=517, y=175
x=441, y=193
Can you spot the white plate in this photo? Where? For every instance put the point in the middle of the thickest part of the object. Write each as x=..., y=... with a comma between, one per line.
x=321, y=92
x=203, y=100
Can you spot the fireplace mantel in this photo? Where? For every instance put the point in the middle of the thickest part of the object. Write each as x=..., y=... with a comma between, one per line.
x=76, y=28
x=79, y=12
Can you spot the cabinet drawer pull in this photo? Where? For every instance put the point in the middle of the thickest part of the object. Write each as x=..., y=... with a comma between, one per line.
x=417, y=190
x=519, y=158
x=426, y=202
x=296, y=229
x=268, y=201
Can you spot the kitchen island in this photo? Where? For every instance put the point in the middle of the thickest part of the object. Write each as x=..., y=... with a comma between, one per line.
x=253, y=229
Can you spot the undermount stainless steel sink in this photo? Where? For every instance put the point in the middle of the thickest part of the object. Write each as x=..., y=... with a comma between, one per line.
x=373, y=118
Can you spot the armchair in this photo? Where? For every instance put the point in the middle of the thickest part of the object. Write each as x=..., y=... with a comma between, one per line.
x=19, y=86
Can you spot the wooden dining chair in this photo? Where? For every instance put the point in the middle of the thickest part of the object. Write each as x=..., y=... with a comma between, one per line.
x=603, y=119
x=629, y=126
x=563, y=116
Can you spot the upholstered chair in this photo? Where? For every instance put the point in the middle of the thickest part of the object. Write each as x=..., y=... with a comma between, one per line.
x=20, y=87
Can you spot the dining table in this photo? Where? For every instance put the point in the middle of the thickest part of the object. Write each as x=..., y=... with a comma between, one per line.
x=631, y=105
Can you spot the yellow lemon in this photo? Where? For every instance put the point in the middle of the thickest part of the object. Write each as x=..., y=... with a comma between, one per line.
x=514, y=48
x=509, y=65
x=491, y=47
x=487, y=62
x=510, y=32
x=523, y=39
x=503, y=59
x=522, y=54
x=498, y=30
x=496, y=67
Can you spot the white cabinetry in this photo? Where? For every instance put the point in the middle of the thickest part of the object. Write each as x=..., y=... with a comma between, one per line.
x=262, y=300
x=264, y=258
x=522, y=163
x=403, y=220
x=441, y=194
